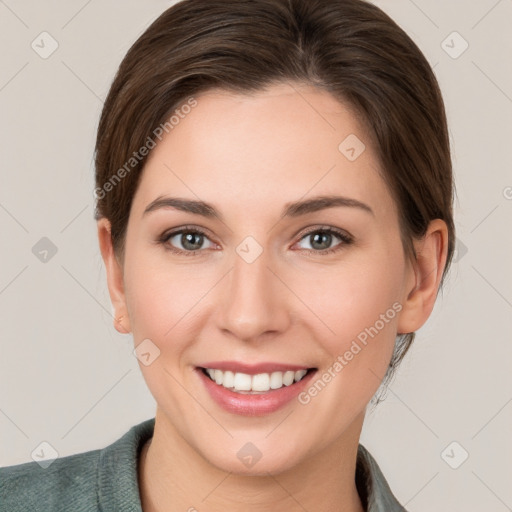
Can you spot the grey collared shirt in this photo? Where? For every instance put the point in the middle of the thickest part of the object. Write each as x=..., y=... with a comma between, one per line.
x=106, y=480
x=372, y=486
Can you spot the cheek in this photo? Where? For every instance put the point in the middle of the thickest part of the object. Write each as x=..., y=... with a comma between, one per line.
x=353, y=299
x=362, y=311
x=167, y=301
x=361, y=305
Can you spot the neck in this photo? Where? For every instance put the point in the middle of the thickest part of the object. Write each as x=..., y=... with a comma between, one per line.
x=174, y=477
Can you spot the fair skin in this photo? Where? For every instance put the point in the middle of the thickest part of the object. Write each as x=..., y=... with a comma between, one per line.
x=248, y=156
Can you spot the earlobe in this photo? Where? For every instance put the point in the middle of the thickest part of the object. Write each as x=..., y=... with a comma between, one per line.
x=424, y=277
x=114, y=277
x=119, y=325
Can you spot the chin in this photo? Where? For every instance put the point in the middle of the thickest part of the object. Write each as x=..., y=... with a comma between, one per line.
x=246, y=459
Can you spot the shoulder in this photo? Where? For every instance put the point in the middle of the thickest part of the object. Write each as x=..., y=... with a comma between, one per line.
x=101, y=479
x=30, y=487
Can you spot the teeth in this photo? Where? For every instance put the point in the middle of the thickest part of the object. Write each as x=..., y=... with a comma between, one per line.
x=288, y=378
x=259, y=383
x=242, y=381
x=229, y=379
x=276, y=380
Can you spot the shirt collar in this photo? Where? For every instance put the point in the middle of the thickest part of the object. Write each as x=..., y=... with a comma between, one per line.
x=118, y=486
x=372, y=486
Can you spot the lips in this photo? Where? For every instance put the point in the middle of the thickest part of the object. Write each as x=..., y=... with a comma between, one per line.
x=256, y=389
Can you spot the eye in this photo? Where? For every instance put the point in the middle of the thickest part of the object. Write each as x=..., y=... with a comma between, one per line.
x=320, y=240
x=186, y=241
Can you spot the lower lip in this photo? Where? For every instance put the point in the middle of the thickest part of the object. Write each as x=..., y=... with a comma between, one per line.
x=254, y=405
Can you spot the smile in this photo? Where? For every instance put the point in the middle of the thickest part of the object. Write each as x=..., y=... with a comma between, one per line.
x=253, y=384
x=253, y=389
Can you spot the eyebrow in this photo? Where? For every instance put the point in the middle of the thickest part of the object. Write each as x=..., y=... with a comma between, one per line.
x=294, y=209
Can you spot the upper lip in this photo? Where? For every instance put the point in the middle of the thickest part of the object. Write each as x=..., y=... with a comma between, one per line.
x=253, y=369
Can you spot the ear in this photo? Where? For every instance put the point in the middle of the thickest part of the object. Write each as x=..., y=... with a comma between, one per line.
x=114, y=277
x=424, y=277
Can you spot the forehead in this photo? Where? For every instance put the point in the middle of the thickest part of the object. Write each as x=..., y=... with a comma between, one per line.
x=280, y=144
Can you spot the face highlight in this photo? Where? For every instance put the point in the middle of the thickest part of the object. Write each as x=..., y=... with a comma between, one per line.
x=255, y=237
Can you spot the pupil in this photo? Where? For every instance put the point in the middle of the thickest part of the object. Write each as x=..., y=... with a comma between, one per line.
x=320, y=235
x=187, y=241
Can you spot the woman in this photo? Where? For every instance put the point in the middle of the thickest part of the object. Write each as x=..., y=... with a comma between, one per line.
x=274, y=210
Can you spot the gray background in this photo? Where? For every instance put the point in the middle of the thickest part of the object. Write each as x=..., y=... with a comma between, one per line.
x=68, y=378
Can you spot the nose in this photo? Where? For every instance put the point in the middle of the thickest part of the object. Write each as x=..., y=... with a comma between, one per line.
x=254, y=302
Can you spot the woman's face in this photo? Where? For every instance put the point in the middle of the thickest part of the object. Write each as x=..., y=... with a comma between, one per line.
x=261, y=283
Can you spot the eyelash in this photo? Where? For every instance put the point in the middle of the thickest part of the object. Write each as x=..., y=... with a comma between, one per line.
x=344, y=237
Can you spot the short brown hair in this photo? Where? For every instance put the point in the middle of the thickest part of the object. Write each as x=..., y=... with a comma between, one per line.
x=349, y=48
